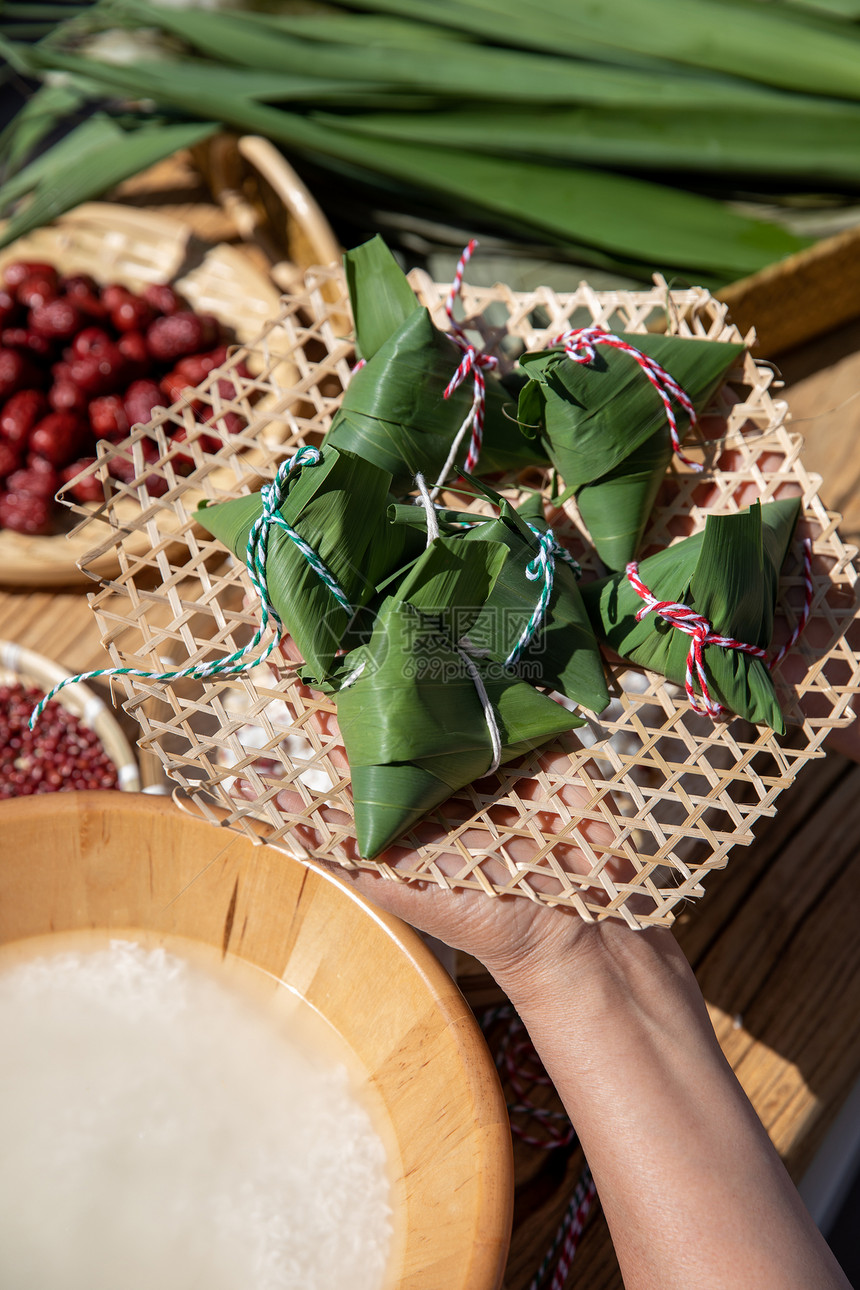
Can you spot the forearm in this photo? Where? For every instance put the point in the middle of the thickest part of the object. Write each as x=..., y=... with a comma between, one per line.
x=693, y=1191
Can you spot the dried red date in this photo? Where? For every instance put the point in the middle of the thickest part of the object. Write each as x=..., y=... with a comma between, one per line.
x=132, y=314
x=174, y=385
x=87, y=489
x=10, y=310
x=139, y=400
x=108, y=419
x=90, y=340
x=20, y=414
x=108, y=356
x=10, y=459
x=28, y=342
x=132, y=346
x=23, y=513
x=102, y=372
x=16, y=272
x=197, y=367
x=57, y=437
x=57, y=320
x=179, y=335
x=38, y=479
x=35, y=291
x=66, y=396
x=16, y=371
x=162, y=298
x=79, y=284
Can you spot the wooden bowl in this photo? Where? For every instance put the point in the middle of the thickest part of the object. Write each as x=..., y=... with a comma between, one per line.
x=118, y=862
x=30, y=668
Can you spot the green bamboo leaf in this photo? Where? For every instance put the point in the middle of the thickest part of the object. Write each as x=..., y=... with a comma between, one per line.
x=394, y=412
x=213, y=79
x=379, y=294
x=358, y=29
x=728, y=573
x=604, y=427
x=413, y=724
x=522, y=26
x=339, y=508
x=563, y=654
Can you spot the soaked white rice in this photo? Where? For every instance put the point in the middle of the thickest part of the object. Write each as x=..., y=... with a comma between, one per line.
x=159, y=1132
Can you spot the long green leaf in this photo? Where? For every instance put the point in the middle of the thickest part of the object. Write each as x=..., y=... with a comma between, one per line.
x=86, y=140
x=782, y=136
x=47, y=108
x=202, y=78
x=764, y=44
x=59, y=189
x=462, y=71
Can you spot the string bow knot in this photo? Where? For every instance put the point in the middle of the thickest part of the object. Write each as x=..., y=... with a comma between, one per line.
x=542, y=565
x=579, y=346
x=701, y=633
x=475, y=363
x=272, y=497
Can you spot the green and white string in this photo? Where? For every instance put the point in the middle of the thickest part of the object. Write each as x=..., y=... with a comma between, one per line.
x=543, y=565
x=273, y=496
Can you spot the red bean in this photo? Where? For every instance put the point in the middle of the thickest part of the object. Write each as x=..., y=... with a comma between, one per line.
x=60, y=754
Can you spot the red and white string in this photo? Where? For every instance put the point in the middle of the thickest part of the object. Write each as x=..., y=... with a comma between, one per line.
x=474, y=363
x=579, y=345
x=702, y=634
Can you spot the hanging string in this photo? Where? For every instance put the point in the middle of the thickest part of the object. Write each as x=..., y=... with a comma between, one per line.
x=473, y=363
x=542, y=564
x=273, y=496
x=803, y=617
x=579, y=346
x=701, y=633
x=426, y=501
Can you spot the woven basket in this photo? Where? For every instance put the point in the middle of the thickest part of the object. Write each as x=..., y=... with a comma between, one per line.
x=19, y=664
x=116, y=243
x=652, y=783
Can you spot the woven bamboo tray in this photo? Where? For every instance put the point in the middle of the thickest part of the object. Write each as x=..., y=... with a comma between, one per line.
x=650, y=785
x=30, y=668
x=117, y=243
